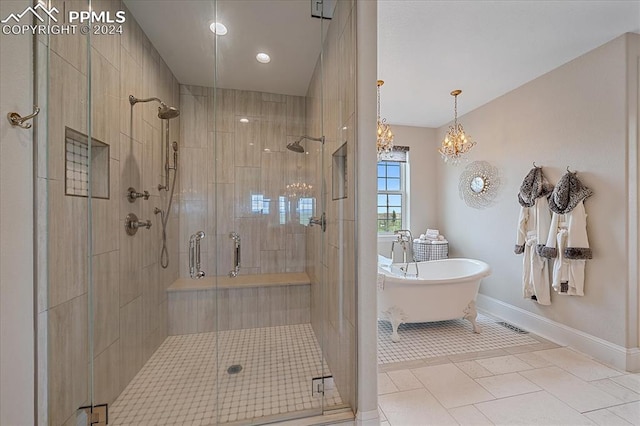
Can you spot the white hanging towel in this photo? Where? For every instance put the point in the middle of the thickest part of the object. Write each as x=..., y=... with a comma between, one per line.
x=568, y=244
x=533, y=225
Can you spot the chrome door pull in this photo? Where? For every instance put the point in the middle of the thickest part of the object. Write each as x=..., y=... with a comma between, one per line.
x=322, y=221
x=194, y=255
x=236, y=254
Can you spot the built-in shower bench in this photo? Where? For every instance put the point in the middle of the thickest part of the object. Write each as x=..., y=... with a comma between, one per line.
x=246, y=301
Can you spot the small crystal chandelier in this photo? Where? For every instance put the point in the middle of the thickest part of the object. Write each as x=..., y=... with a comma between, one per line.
x=298, y=190
x=384, y=143
x=455, y=143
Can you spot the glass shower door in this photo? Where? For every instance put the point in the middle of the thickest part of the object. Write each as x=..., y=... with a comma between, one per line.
x=266, y=184
x=264, y=156
x=68, y=159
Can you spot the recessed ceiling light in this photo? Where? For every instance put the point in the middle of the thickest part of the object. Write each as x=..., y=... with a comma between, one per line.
x=263, y=58
x=218, y=28
x=244, y=120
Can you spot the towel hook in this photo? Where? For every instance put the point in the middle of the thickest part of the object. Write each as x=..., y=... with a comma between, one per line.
x=569, y=171
x=534, y=165
x=16, y=120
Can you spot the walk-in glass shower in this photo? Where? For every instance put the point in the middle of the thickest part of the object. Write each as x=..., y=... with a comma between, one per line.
x=196, y=212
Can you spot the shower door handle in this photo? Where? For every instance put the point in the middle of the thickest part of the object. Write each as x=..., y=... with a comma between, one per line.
x=236, y=254
x=194, y=255
x=322, y=221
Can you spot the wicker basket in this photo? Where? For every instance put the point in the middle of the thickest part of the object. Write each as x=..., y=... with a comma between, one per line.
x=423, y=251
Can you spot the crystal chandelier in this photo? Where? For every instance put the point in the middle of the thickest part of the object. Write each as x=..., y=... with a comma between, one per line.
x=384, y=143
x=298, y=189
x=455, y=143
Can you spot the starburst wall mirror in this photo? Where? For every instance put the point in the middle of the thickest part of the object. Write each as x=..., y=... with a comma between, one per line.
x=479, y=184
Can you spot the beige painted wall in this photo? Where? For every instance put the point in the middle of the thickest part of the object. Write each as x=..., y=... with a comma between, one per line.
x=16, y=229
x=366, y=76
x=573, y=116
x=633, y=114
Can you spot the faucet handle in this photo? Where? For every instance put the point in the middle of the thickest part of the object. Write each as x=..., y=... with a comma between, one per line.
x=143, y=224
x=132, y=194
x=132, y=224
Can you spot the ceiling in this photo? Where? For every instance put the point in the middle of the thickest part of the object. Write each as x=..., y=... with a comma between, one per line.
x=425, y=48
x=284, y=29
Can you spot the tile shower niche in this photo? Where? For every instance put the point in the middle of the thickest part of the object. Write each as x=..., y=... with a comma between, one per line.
x=80, y=160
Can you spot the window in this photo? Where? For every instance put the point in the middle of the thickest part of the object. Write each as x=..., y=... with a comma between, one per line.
x=259, y=204
x=391, y=196
x=305, y=209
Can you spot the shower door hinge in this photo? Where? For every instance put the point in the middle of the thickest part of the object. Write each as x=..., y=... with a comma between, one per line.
x=322, y=9
x=320, y=385
x=97, y=415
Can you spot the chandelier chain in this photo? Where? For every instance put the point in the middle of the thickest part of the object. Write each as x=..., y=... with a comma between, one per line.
x=384, y=142
x=455, y=111
x=456, y=143
x=378, y=103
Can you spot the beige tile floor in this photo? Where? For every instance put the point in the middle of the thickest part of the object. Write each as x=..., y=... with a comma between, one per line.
x=539, y=384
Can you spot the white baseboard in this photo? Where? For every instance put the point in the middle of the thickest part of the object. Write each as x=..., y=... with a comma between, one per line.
x=366, y=418
x=602, y=350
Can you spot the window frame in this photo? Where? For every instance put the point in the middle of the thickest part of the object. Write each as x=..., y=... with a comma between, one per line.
x=404, y=187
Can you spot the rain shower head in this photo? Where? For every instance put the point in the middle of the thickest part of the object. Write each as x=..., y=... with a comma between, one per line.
x=165, y=112
x=296, y=147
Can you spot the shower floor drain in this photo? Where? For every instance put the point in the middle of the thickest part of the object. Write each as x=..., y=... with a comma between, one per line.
x=512, y=327
x=234, y=369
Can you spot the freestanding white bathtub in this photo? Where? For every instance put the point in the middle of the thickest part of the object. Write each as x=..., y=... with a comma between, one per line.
x=444, y=290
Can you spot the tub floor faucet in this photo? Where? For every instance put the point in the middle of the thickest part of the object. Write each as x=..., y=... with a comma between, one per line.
x=405, y=239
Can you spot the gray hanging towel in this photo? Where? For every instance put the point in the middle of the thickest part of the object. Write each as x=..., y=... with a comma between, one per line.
x=534, y=186
x=569, y=191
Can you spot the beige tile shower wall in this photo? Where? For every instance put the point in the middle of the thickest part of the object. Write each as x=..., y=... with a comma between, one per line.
x=331, y=256
x=130, y=302
x=205, y=311
x=224, y=163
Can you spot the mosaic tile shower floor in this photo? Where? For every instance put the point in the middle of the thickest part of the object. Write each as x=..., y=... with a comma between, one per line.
x=177, y=386
x=442, y=338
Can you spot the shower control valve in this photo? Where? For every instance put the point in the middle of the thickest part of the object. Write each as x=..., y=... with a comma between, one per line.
x=131, y=224
x=132, y=194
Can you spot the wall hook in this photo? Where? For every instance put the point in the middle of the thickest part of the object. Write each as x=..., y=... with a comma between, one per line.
x=534, y=165
x=569, y=171
x=16, y=120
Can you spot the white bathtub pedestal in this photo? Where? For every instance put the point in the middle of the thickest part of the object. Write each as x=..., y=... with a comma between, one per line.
x=396, y=316
x=470, y=314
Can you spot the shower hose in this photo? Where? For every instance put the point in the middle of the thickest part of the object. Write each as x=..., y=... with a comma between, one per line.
x=164, y=218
